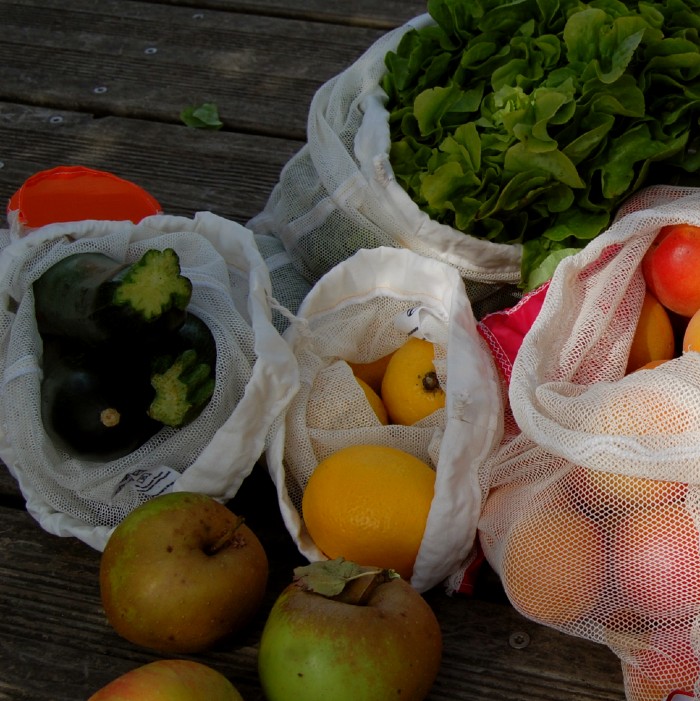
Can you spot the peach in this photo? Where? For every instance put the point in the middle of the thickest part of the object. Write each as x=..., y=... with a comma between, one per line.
x=653, y=364
x=600, y=492
x=654, y=338
x=656, y=562
x=670, y=268
x=554, y=567
x=691, y=335
x=666, y=662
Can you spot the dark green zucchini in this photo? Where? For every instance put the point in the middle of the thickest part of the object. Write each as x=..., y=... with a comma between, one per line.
x=92, y=298
x=94, y=404
x=193, y=333
x=183, y=373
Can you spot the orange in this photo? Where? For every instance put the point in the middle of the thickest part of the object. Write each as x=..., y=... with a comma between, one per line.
x=410, y=388
x=375, y=401
x=373, y=372
x=553, y=565
x=653, y=337
x=369, y=504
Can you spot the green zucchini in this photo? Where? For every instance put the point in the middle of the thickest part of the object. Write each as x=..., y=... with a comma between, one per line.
x=95, y=299
x=183, y=373
x=94, y=403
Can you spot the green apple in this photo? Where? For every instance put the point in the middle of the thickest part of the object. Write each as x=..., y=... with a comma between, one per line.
x=169, y=680
x=180, y=573
x=344, y=632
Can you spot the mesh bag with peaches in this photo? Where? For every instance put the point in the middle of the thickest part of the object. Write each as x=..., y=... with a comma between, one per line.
x=593, y=515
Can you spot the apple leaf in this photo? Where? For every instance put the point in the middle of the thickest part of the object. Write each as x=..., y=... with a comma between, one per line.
x=331, y=578
x=205, y=116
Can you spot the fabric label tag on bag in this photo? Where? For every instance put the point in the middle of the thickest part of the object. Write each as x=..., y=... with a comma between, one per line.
x=150, y=482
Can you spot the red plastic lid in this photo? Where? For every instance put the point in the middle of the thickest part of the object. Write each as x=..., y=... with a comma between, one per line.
x=74, y=193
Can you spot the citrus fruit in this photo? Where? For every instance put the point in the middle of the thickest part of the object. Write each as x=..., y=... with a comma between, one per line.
x=553, y=565
x=410, y=388
x=375, y=401
x=373, y=372
x=369, y=504
x=653, y=337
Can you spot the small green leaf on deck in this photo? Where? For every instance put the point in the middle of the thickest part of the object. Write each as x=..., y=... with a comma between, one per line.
x=204, y=116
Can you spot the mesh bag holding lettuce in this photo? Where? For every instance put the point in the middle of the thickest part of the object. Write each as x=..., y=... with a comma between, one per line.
x=498, y=137
x=593, y=514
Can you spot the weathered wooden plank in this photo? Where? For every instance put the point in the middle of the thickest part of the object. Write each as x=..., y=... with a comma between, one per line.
x=10, y=494
x=187, y=170
x=50, y=615
x=144, y=60
x=369, y=13
x=260, y=61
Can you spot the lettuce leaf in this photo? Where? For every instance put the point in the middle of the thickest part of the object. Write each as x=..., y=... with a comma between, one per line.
x=530, y=121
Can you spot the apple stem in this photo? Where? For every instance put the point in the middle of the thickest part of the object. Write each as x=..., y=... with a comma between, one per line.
x=230, y=537
x=430, y=381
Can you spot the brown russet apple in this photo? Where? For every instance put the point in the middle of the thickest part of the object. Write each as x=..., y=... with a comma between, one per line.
x=169, y=680
x=180, y=573
x=344, y=632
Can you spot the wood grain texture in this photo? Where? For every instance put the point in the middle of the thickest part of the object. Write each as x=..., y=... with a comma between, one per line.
x=145, y=60
x=186, y=170
x=51, y=620
x=369, y=13
x=101, y=83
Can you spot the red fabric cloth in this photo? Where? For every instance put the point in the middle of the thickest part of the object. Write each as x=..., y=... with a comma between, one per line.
x=504, y=330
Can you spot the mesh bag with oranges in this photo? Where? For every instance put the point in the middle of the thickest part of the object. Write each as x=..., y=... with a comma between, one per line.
x=399, y=404
x=593, y=515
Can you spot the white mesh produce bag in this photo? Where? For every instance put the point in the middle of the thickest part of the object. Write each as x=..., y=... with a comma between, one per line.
x=339, y=194
x=255, y=370
x=362, y=310
x=593, y=519
x=289, y=286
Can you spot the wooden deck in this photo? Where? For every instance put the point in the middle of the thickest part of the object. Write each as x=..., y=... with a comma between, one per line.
x=101, y=83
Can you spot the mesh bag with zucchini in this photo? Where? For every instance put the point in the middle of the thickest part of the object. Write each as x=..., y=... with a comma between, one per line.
x=135, y=359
